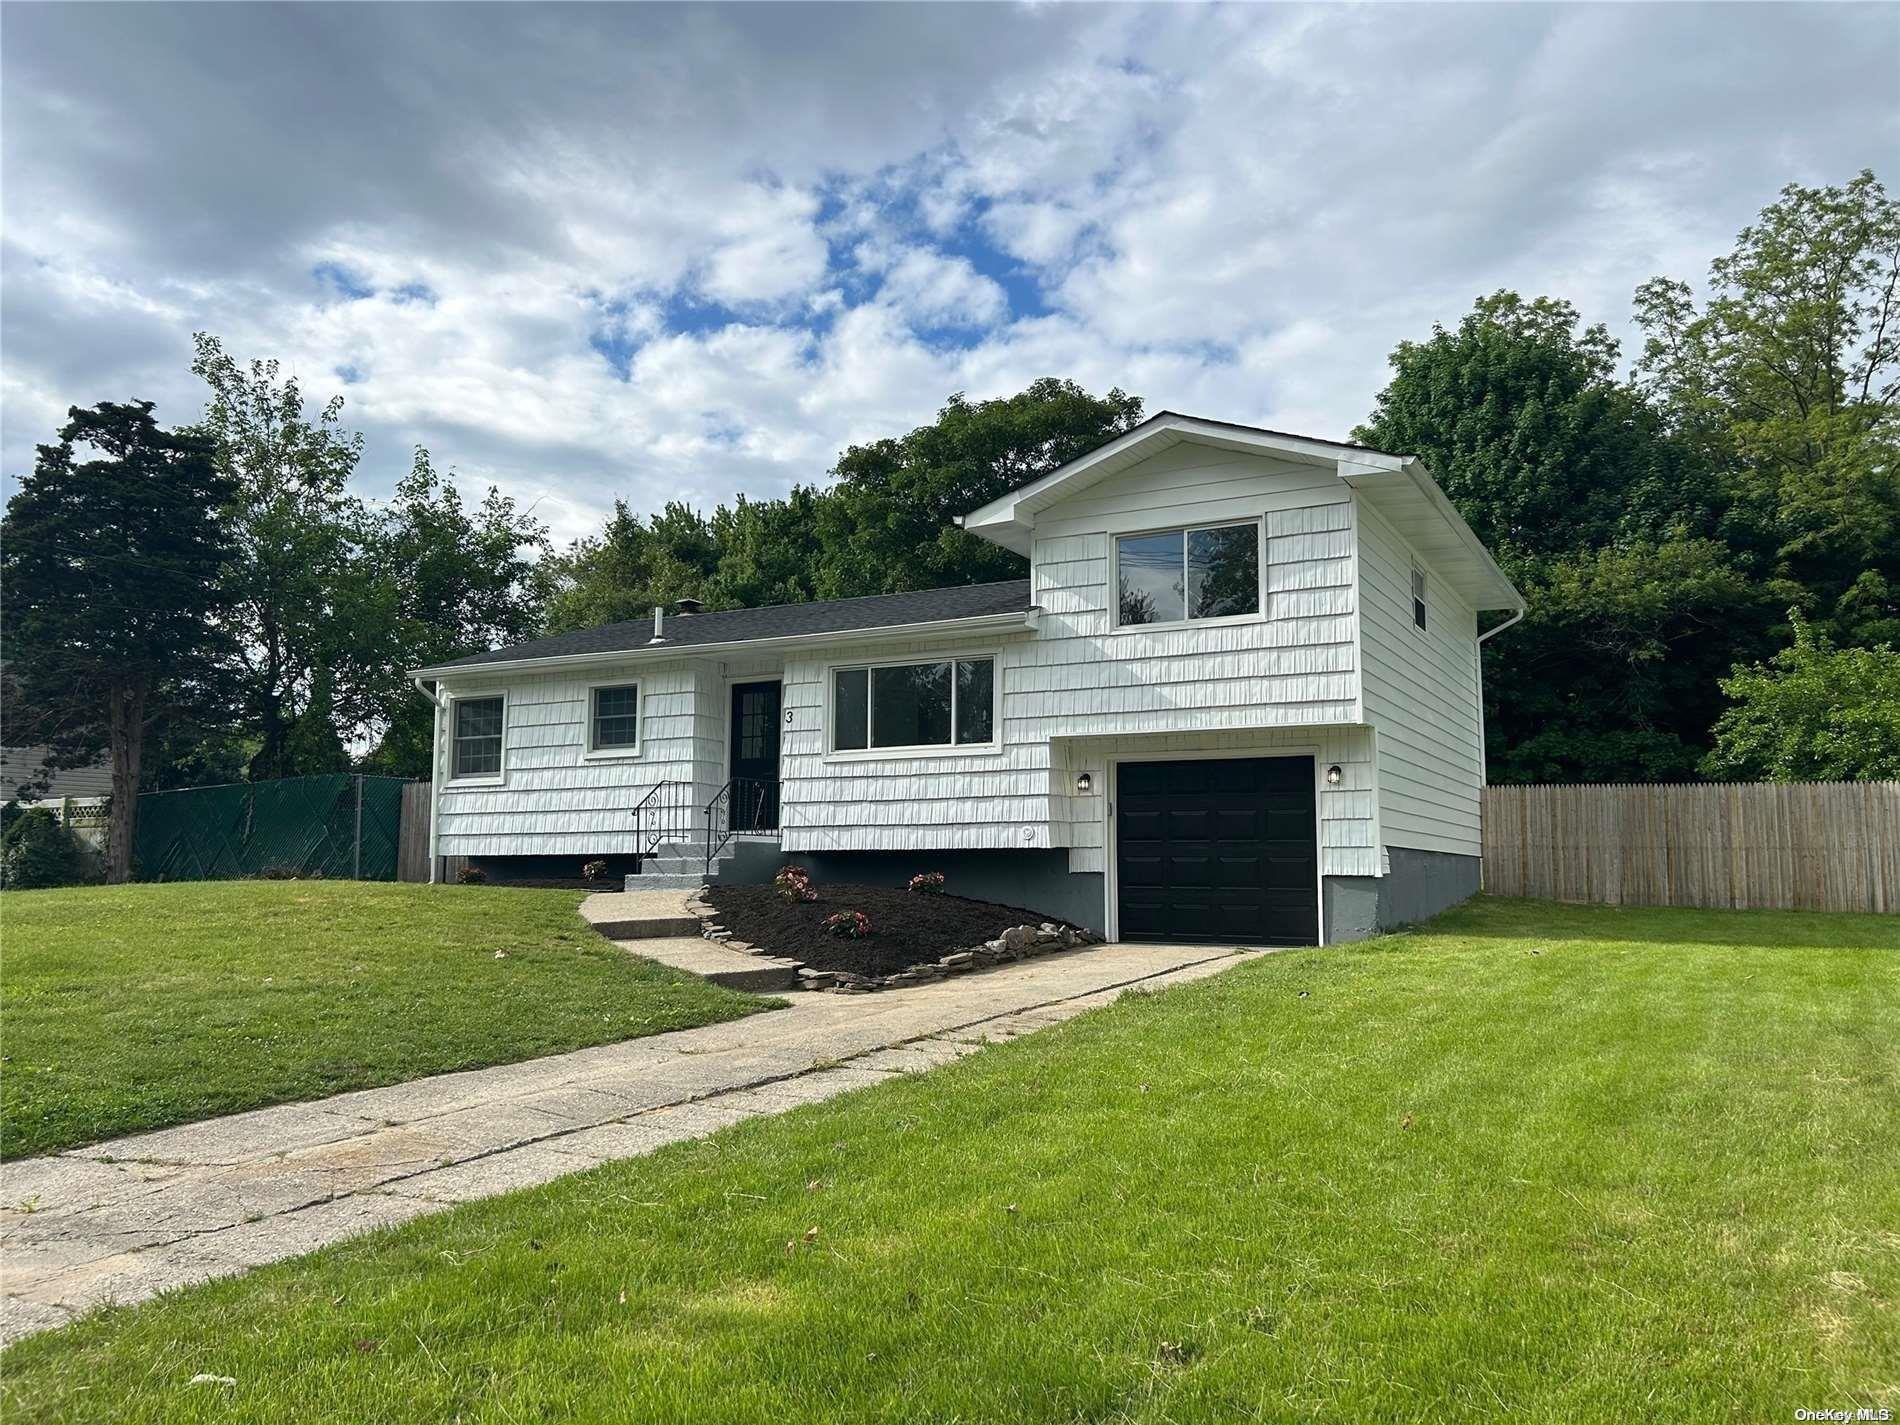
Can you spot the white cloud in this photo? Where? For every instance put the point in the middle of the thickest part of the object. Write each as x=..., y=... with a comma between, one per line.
x=662, y=253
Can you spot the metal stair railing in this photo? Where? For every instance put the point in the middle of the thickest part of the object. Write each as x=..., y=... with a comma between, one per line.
x=741, y=806
x=664, y=814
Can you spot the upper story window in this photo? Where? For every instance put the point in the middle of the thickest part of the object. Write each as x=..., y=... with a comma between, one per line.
x=942, y=704
x=613, y=723
x=477, y=738
x=1418, y=597
x=1180, y=574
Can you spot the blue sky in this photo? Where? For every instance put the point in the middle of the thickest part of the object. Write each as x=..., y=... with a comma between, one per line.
x=659, y=252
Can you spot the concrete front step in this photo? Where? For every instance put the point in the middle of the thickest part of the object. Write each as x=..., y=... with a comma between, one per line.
x=680, y=866
x=654, y=881
x=714, y=962
x=647, y=913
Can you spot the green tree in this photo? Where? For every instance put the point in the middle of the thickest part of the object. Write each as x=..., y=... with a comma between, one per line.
x=297, y=572
x=632, y=565
x=888, y=524
x=769, y=550
x=443, y=580
x=1785, y=381
x=1608, y=523
x=1812, y=712
x=110, y=568
x=885, y=526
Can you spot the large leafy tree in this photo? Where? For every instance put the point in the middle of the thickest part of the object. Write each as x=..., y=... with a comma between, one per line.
x=442, y=580
x=297, y=571
x=1812, y=712
x=888, y=526
x=111, y=571
x=632, y=565
x=885, y=526
x=1787, y=382
x=1606, y=520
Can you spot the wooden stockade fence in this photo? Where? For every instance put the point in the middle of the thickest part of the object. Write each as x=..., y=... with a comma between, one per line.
x=1754, y=845
x=412, y=851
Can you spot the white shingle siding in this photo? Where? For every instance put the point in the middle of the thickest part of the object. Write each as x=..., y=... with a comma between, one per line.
x=552, y=800
x=1421, y=696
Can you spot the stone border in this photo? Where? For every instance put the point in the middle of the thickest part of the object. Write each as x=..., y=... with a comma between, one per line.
x=1019, y=942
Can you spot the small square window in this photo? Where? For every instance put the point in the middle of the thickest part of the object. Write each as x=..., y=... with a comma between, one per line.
x=615, y=724
x=1418, y=597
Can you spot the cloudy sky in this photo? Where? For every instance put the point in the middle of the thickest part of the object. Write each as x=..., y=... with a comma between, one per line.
x=660, y=253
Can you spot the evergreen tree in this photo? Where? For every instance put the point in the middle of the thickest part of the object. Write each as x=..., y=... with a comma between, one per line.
x=111, y=569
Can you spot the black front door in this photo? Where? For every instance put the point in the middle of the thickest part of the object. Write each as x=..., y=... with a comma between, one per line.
x=755, y=720
x=1217, y=850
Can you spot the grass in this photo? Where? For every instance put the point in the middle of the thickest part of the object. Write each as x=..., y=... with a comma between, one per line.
x=1565, y=1164
x=134, y=1007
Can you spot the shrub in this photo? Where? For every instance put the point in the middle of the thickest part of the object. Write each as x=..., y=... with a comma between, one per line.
x=849, y=924
x=471, y=876
x=794, y=884
x=929, y=882
x=594, y=871
x=38, y=852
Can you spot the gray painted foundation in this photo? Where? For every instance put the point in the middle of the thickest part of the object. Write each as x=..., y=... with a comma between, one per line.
x=1036, y=880
x=1418, y=886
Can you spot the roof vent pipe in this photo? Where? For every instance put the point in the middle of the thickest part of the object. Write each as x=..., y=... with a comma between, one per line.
x=659, y=627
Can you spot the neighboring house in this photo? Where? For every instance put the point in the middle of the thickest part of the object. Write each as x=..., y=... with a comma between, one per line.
x=1237, y=699
x=18, y=764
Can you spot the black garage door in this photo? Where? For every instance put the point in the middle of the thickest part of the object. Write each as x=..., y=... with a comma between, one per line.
x=1217, y=850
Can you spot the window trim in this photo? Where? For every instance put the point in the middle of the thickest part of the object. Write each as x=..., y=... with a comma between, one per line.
x=1421, y=606
x=1115, y=538
x=477, y=779
x=629, y=752
x=922, y=749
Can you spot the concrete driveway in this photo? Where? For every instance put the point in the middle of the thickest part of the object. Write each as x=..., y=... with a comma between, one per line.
x=121, y=1221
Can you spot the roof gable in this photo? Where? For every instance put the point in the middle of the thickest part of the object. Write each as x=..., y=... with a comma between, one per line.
x=1399, y=486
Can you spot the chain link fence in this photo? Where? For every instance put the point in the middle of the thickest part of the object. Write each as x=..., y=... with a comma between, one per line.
x=337, y=826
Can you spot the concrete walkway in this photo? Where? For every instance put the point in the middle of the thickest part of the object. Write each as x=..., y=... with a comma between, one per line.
x=122, y=1221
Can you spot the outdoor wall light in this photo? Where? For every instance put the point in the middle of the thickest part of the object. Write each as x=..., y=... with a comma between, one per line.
x=1334, y=776
x=1082, y=783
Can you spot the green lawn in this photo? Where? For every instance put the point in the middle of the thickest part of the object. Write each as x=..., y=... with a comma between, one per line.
x=131, y=1007
x=1553, y=1163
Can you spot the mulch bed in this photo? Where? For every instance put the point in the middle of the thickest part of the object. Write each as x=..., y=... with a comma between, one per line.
x=909, y=927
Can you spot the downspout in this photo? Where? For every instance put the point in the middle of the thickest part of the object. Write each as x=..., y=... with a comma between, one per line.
x=1484, y=771
x=435, y=771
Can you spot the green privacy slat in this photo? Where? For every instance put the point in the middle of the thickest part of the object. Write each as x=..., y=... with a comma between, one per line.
x=305, y=825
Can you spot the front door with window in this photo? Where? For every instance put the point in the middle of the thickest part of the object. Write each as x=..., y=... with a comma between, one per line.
x=754, y=770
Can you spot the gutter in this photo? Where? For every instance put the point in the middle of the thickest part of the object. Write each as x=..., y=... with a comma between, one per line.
x=1484, y=771
x=1021, y=621
x=435, y=774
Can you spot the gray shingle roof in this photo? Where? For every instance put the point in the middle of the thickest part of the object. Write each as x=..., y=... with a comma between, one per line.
x=683, y=631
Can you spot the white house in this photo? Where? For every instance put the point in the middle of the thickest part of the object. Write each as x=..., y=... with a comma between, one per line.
x=1237, y=699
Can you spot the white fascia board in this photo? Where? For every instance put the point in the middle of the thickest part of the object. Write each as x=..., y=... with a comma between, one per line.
x=1492, y=589
x=1009, y=520
x=1023, y=622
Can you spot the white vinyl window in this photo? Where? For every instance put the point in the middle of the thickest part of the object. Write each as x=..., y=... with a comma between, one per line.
x=1418, y=597
x=1174, y=575
x=950, y=702
x=475, y=751
x=613, y=720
